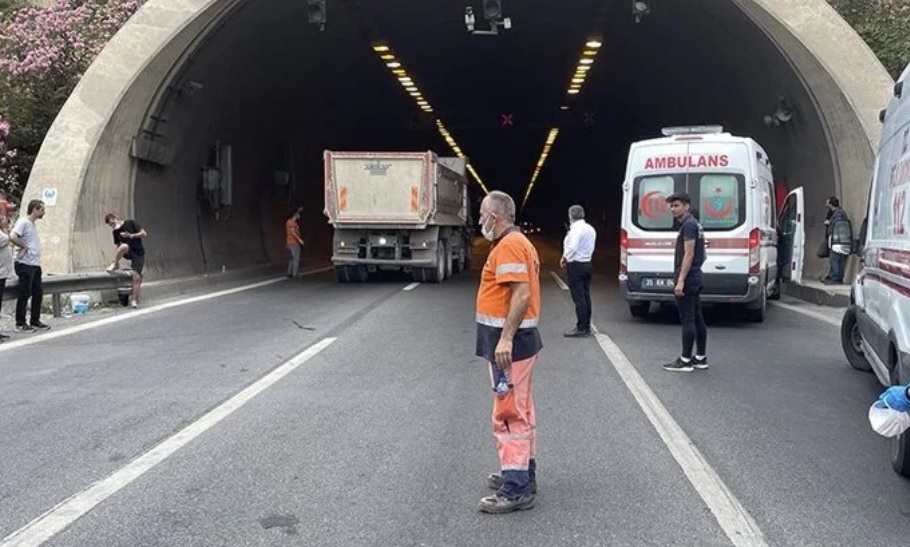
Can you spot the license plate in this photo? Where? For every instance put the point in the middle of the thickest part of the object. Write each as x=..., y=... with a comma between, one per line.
x=657, y=283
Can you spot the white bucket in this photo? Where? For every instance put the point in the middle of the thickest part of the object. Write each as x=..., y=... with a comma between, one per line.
x=79, y=302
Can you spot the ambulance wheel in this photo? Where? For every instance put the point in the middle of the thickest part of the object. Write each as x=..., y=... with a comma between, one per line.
x=756, y=314
x=775, y=292
x=639, y=309
x=900, y=445
x=341, y=274
x=850, y=341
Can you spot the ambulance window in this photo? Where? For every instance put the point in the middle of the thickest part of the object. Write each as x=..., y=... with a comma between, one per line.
x=649, y=203
x=722, y=200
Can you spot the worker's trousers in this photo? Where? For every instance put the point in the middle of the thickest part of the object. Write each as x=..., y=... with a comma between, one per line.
x=515, y=429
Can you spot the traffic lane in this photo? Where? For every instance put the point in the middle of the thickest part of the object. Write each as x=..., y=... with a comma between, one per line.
x=781, y=416
x=384, y=439
x=78, y=407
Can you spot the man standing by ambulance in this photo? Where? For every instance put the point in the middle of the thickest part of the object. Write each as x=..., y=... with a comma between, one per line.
x=508, y=309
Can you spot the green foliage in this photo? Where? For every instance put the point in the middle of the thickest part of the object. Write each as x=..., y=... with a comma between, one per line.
x=884, y=25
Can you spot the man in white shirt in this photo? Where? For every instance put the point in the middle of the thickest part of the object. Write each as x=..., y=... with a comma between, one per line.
x=28, y=267
x=578, y=247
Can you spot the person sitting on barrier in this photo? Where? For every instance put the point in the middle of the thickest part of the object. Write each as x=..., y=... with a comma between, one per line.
x=6, y=261
x=128, y=236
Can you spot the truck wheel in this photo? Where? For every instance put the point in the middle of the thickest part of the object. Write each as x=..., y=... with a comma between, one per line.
x=438, y=273
x=341, y=274
x=639, y=309
x=361, y=274
x=448, y=260
x=850, y=341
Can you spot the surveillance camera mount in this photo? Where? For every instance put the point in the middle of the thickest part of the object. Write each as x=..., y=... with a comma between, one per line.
x=495, y=23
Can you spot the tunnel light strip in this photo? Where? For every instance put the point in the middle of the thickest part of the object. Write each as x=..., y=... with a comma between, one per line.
x=588, y=55
x=450, y=140
x=394, y=64
x=551, y=139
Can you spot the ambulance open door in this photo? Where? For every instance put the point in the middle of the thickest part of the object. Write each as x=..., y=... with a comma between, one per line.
x=791, y=245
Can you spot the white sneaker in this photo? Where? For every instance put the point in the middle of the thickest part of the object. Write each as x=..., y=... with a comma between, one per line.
x=134, y=304
x=112, y=268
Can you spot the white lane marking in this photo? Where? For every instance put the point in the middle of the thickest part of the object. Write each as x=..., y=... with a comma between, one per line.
x=808, y=313
x=55, y=520
x=559, y=281
x=729, y=512
x=94, y=324
x=411, y=287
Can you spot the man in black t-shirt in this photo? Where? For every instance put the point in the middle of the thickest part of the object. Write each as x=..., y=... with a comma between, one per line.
x=687, y=278
x=128, y=237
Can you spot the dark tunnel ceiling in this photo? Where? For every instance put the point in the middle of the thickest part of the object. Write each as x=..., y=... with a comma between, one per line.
x=699, y=61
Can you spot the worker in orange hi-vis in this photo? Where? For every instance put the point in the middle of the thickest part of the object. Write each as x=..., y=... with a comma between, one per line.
x=508, y=309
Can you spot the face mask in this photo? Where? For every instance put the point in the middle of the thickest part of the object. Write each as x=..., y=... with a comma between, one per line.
x=887, y=422
x=488, y=233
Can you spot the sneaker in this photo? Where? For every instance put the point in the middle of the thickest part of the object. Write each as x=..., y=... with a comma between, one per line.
x=40, y=325
x=25, y=328
x=700, y=364
x=112, y=268
x=494, y=481
x=498, y=504
x=575, y=333
x=679, y=366
x=134, y=304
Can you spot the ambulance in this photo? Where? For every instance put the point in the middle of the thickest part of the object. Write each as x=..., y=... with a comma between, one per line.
x=732, y=189
x=875, y=329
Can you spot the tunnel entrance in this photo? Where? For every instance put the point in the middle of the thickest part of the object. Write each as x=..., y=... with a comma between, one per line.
x=259, y=84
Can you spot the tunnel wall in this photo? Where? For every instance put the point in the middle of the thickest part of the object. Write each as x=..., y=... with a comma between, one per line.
x=85, y=155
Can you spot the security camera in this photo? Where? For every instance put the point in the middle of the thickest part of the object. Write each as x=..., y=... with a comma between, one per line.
x=469, y=18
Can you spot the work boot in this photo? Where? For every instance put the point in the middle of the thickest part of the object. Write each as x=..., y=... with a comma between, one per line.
x=494, y=481
x=498, y=504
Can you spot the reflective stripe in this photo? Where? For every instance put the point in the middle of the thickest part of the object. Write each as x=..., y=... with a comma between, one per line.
x=514, y=437
x=515, y=267
x=514, y=467
x=500, y=322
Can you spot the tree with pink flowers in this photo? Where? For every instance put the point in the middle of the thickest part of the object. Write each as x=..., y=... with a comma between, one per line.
x=44, y=50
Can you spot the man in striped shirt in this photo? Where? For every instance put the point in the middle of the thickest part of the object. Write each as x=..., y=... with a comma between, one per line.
x=508, y=310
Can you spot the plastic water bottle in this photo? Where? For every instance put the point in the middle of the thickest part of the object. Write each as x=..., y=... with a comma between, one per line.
x=502, y=383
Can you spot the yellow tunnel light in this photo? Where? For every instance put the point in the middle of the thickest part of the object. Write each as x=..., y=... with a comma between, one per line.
x=411, y=88
x=578, y=80
x=379, y=48
x=573, y=91
x=583, y=68
x=393, y=64
x=594, y=44
x=387, y=57
x=590, y=53
x=400, y=72
x=587, y=61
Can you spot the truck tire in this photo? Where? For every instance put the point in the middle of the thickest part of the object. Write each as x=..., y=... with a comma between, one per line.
x=361, y=274
x=448, y=260
x=341, y=274
x=850, y=341
x=438, y=274
x=639, y=309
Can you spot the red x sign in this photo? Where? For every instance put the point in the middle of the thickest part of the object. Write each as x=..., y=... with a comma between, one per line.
x=506, y=120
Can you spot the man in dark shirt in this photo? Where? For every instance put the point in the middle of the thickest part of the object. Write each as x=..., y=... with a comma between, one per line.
x=128, y=237
x=687, y=276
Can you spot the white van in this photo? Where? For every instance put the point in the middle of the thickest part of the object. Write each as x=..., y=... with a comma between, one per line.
x=730, y=183
x=875, y=331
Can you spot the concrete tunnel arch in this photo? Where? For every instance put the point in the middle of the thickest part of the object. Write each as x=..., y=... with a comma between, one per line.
x=86, y=155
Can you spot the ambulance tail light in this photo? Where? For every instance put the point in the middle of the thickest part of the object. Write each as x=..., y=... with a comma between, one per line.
x=623, y=251
x=755, y=251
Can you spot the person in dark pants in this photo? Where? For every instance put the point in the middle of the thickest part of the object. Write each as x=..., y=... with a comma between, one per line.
x=28, y=267
x=128, y=236
x=688, y=260
x=6, y=261
x=578, y=247
x=837, y=254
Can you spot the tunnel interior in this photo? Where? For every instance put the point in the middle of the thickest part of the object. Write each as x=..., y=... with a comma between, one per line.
x=279, y=91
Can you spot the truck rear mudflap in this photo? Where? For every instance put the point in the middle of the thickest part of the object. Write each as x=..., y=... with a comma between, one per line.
x=717, y=288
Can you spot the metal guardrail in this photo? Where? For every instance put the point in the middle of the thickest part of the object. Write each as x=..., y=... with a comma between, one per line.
x=57, y=284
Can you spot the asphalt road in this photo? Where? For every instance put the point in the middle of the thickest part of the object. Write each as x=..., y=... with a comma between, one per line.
x=382, y=437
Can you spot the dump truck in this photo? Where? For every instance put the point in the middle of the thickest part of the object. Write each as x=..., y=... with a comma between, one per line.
x=405, y=211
